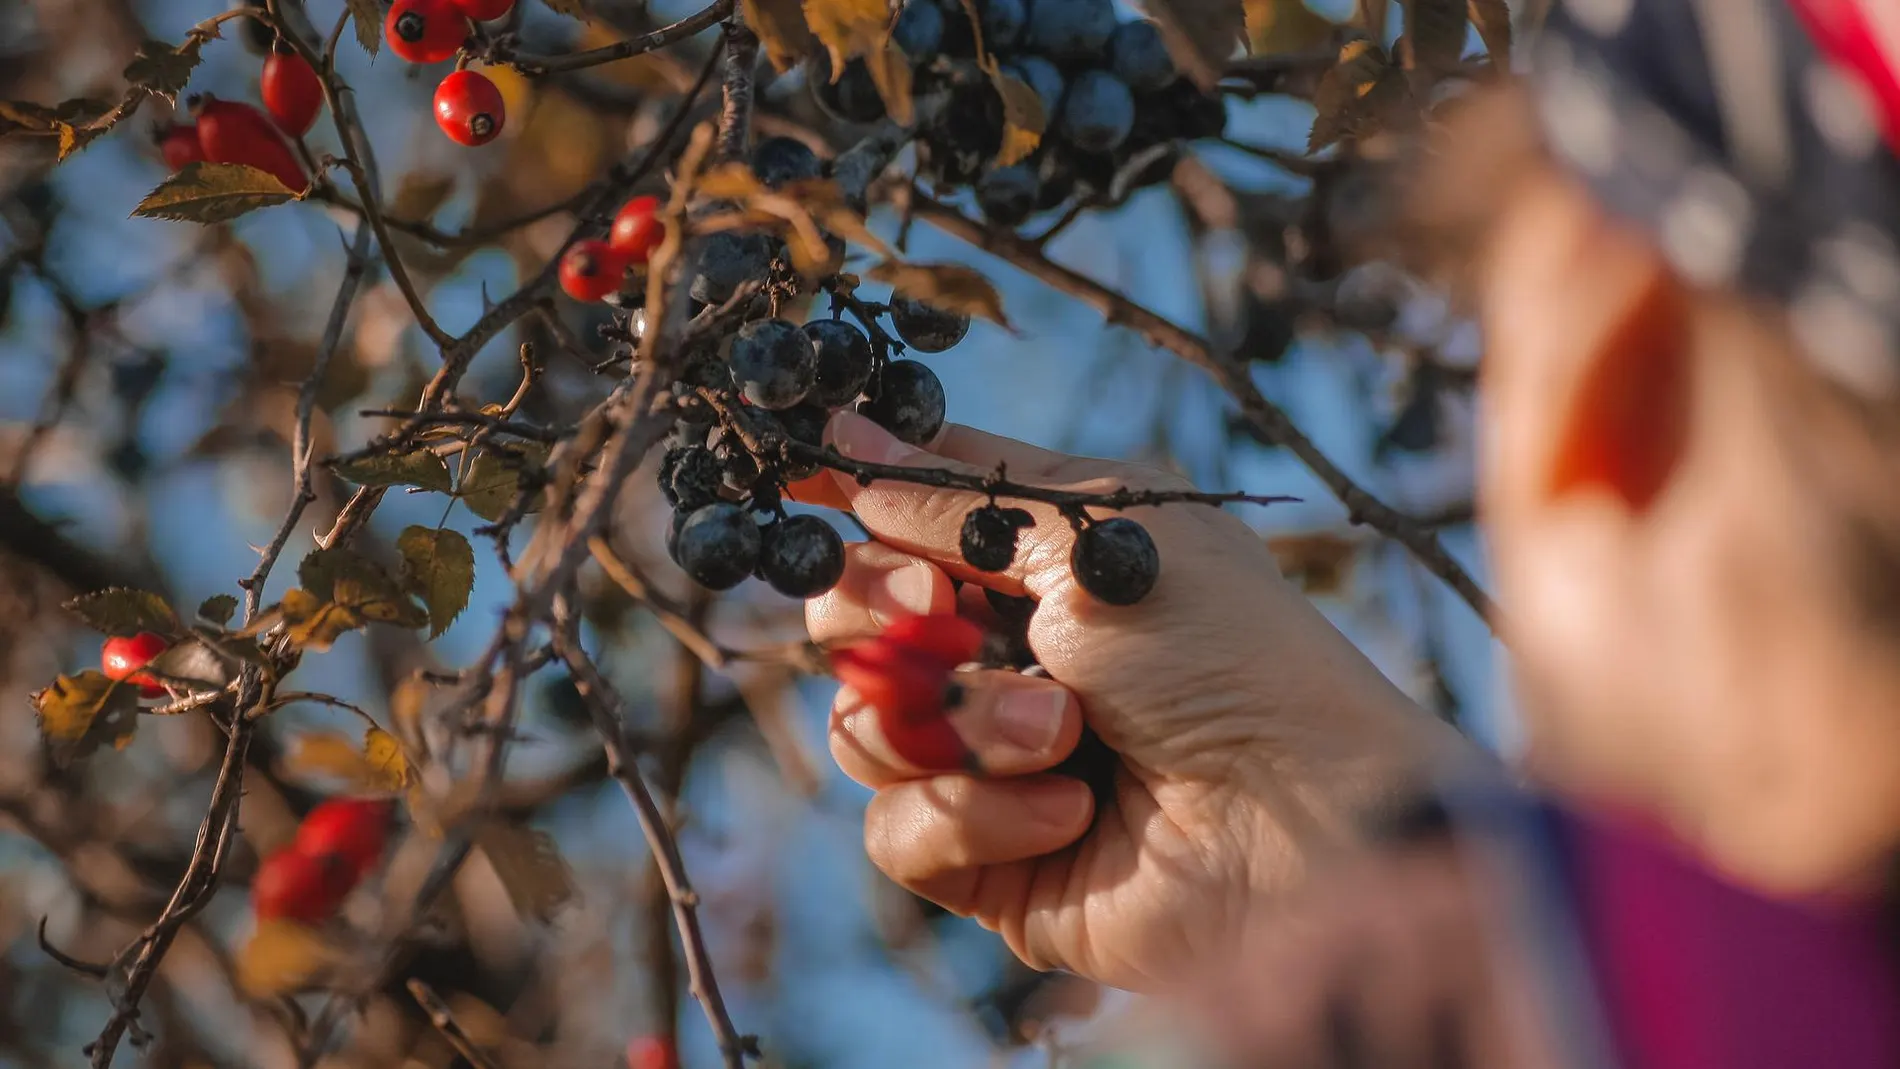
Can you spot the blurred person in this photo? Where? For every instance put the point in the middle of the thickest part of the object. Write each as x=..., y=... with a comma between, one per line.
x=1682, y=246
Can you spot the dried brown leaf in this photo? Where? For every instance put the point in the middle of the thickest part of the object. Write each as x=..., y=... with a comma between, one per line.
x=1281, y=27
x=213, y=193
x=1355, y=96
x=283, y=957
x=79, y=713
x=438, y=566
x=163, y=70
x=848, y=28
x=952, y=287
x=891, y=73
x=781, y=29
x=368, y=17
x=124, y=612
x=1201, y=35
x=1024, y=120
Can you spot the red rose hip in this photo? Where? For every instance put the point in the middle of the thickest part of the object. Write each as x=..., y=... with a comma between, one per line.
x=121, y=658
x=591, y=270
x=293, y=885
x=425, y=31
x=469, y=108
x=238, y=133
x=292, y=94
x=651, y=1052
x=351, y=831
x=637, y=230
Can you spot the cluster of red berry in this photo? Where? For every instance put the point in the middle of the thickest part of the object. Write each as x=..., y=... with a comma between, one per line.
x=227, y=131
x=593, y=270
x=338, y=843
x=905, y=675
x=468, y=107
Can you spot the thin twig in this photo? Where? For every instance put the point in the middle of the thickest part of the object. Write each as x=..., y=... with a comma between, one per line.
x=660, y=38
x=735, y=115
x=444, y=1021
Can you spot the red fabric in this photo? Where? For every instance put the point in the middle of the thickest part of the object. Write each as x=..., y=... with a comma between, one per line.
x=1865, y=42
x=1697, y=974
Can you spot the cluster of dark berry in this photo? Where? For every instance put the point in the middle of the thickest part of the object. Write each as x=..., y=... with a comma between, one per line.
x=1113, y=101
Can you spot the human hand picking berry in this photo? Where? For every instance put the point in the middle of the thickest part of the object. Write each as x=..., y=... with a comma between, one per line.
x=1249, y=734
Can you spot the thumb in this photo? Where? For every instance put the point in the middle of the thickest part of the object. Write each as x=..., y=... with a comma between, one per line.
x=928, y=521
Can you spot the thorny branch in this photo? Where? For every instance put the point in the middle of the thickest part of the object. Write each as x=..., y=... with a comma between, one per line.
x=660, y=38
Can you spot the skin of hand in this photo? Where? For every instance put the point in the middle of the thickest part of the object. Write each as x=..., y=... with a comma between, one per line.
x=1252, y=735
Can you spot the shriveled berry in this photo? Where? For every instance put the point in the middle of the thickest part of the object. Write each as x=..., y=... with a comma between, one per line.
x=845, y=362
x=802, y=557
x=231, y=132
x=1008, y=195
x=852, y=98
x=1098, y=112
x=925, y=327
x=729, y=259
x=918, y=32
x=988, y=538
x=591, y=270
x=352, y=830
x=1138, y=56
x=291, y=92
x=1116, y=561
x=909, y=402
x=1003, y=23
x=691, y=478
x=1072, y=30
x=774, y=362
x=293, y=885
x=781, y=160
x=179, y=145
x=425, y=31
x=485, y=10
x=718, y=546
x=469, y=108
x=122, y=657
x=804, y=424
x=637, y=229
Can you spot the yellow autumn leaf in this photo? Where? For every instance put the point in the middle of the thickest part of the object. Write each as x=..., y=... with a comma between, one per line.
x=848, y=28
x=283, y=957
x=386, y=760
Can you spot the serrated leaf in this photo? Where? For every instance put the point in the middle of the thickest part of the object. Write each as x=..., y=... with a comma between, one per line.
x=848, y=28
x=379, y=602
x=387, y=761
x=123, y=612
x=420, y=468
x=952, y=287
x=438, y=566
x=283, y=957
x=1024, y=120
x=781, y=29
x=529, y=866
x=313, y=623
x=163, y=70
x=1201, y=35
x=79, y=713
x=1493, y=20
x=493, y=478
x=368, y=17
x=1280, y=27
x=1434, y=34
x=213, y=193
x=573, y=9
x=891, y=74
x=218, y=609
x=320, y=569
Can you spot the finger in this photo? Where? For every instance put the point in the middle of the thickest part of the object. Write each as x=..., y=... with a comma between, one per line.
x=922, y=833
x=819, y=490
x=928, y=521
x=1012, y=724
x=880, y=584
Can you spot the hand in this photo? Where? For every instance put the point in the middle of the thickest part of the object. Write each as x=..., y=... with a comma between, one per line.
x=1251, y=734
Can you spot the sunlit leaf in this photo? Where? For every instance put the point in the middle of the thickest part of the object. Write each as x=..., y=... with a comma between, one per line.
x=848, y=28
x=123, y=611
x=1355, y=96
x=213, y=193
x=380, y=602
x=1024, y=120
x=315, y=624
x=377, y=766
x=79, y=713
x=1201, y=35
x=891, y=74
x=420, y=468
x=163, y=70
x=1493, y=20
x=494, y=478
x=218, y=609
x=1283, y=27
x=283, y=957
x=529, y=866
x=368, y=17
x=952, y=287
x=438, y=566
x=780, y=26
x=388, y=765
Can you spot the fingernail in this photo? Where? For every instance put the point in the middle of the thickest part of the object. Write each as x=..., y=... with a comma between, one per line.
x=1030, y=718
x=908, y=591
x=1057, y=803
x=860, y=439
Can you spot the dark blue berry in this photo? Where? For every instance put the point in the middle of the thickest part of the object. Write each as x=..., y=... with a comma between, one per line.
x=1139, y=57
x=804, y=424
x=919, y=30
x=802, y=557
x=780, y=160
x=1003, y=22
x=729, y=259
x=1075, y=30
x=852, y=98
x=1116, y=561
x=1098, y=112
x=1008, y=195
x=909, y=402
x=690, y=477
x=718, y=546
x=774, y=362
x=1041, y=75
x=845, y=362
x=925, y=327
x=988, y=538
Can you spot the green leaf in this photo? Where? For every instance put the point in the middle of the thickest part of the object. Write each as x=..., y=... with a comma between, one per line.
x=493, y=478
x=368, y=16
x=420, y=468
x=439, y=568
x=162, y=70
x=213, y=193
x=125, y=612
x=218, y=609
x=79, y=713
x=529, y=866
